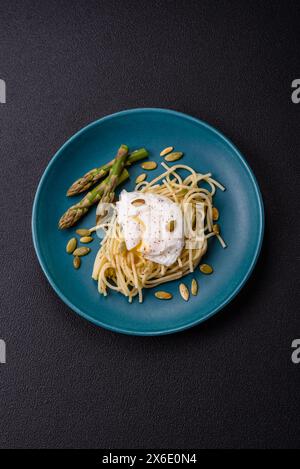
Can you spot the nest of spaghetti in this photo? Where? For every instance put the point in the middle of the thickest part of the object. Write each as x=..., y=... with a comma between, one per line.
x=128, y=271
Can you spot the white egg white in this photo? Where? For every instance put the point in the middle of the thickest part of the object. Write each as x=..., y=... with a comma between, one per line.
x=145, y=227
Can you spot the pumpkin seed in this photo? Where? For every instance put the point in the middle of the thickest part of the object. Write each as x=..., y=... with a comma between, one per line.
x=86, y=239
x=206, y=269
x=122, y=247
x=215, y=214
x=171, y=226
x=194, y=287
x=76, y=262
x=166, y=151
x=82, y=251
x=110, y=272
x=184, y=291
x=71, y=246
x=83, y=232
x=176, y=155
x=216, y=228
x=141, y=178
x=182, y=192
x=163, y=295
x=149, y=165
x=138, y=202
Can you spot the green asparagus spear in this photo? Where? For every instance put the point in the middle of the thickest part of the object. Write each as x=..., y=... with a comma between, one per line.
x=93, y=176
x=74, y=213
x=114, y=174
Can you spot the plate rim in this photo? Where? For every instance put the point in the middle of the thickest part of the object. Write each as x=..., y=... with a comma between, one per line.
x=169, y=330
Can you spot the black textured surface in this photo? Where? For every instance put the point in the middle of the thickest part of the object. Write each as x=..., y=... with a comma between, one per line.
x=229, y=382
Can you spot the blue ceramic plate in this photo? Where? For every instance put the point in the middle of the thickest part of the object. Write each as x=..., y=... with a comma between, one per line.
x=206, y=150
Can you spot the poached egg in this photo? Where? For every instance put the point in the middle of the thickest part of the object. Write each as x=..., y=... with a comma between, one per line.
x=152, y=225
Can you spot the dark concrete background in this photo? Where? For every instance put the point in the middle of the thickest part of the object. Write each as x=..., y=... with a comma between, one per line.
x=229, y=382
